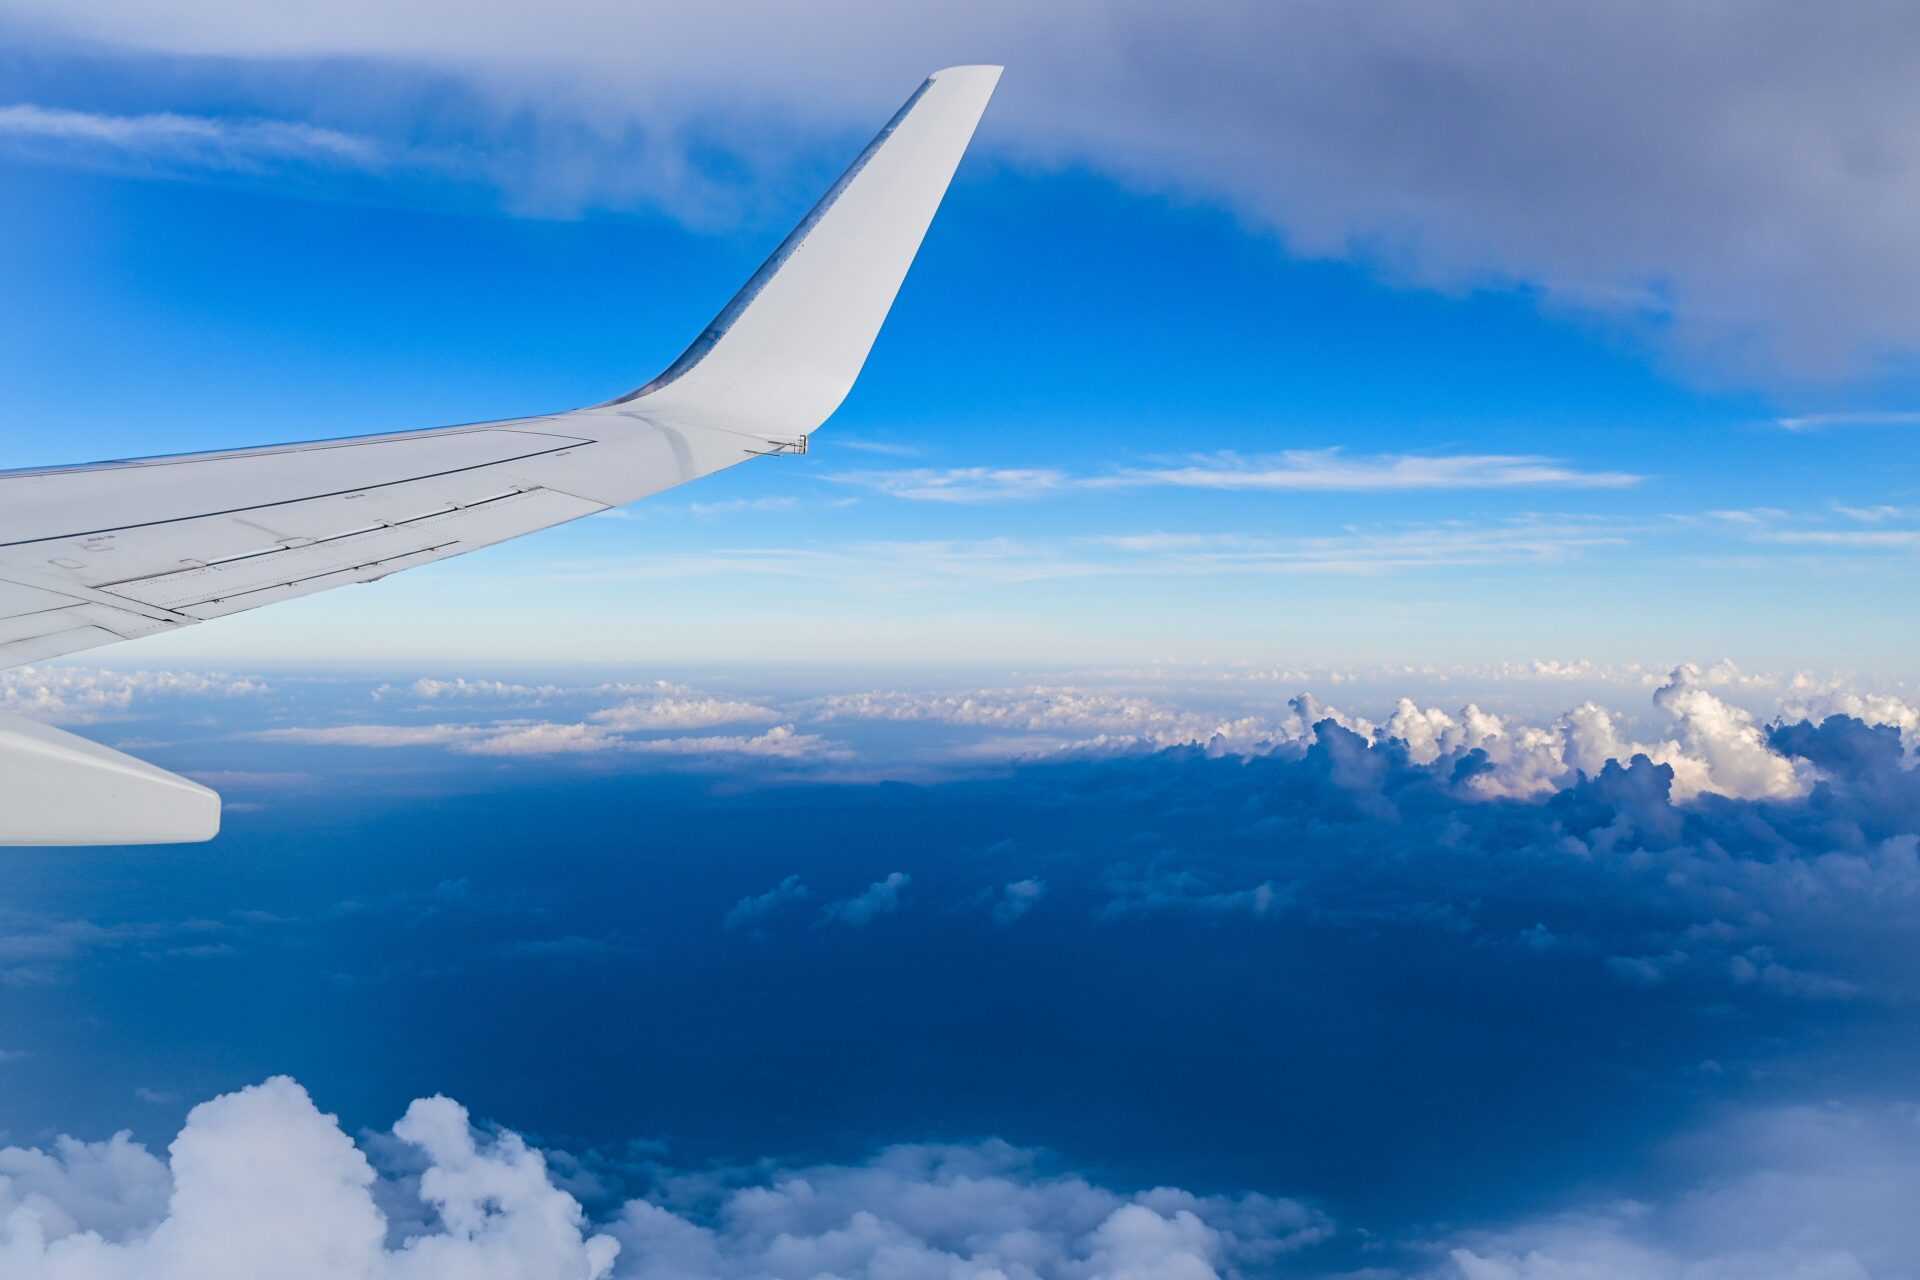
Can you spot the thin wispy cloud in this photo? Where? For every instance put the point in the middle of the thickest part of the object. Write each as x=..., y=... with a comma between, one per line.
x=1295, y=470
x=536, y=739
x=1876, y=514
x=1367, y=552
x=743, y=506
x=169, y=140
x=1331, y=471
x=964, y=484
x=1864, y=539
x=885, y=448
x=1868, y=418
x=893, y=566
x=1770, y=526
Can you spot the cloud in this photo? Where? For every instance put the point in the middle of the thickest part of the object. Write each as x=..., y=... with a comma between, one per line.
x=780, y=742
x=1358, y=551
x=751, y=911
x=1054, y=719
x=882, y=898
x=374, y=735
x=979, y=1210
x=37, y=948
x=549, y=738
x=1017, y=899
x=1182, y=892
x=77, y=694
x=681, y=713
x=1783, y=894
x=111, y=1188
x=461, y=689
x=539, y=740
x=1717, y=748
x=1313, y=470
x=169, y=141
x=1852, y=539
x=629, y=727
x=735, y=506
x=1721, y=749
x=428, y=689
x=1817, y=704
x=1752, y=931
x=1328, y=471
x=1863, y=418
x=961, y=484
x=1784, y=1193
x=1667, y=169
x=260, y=1182
x=884, y=448
x=1712, y=744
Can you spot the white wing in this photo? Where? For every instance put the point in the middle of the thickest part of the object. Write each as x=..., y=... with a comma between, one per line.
x=90, y=555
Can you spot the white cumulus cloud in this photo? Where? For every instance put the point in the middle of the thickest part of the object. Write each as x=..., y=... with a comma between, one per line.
x=260, y=1183
x=936, y=1212
x=77, y=694
x=682, y=713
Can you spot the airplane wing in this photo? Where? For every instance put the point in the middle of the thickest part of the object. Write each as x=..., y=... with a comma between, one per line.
x=91, y=555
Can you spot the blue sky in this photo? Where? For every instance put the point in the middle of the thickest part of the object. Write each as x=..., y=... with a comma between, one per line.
x=1043, y=463
x=1338, y=702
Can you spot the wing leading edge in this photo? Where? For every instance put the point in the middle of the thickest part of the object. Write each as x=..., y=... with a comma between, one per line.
x=91, y=555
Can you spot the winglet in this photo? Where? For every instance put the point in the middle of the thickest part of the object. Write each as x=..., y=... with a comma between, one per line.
x=779, y=359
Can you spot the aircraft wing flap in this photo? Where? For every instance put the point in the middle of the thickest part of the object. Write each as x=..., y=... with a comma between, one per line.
x=57, y=644
x=31, y=626
x=210, y=589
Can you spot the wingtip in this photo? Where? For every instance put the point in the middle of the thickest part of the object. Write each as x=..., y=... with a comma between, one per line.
x=974, y=71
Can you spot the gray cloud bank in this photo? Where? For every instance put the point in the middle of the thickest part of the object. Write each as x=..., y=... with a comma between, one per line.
x=1738, y=178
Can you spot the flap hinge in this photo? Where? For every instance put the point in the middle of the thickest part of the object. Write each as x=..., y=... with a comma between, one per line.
x=782, y=448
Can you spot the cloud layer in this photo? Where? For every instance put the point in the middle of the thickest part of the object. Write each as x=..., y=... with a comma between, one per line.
x=1734, y=177
x=1784, y=1193
x=1263, y=929
x=261, y=1182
